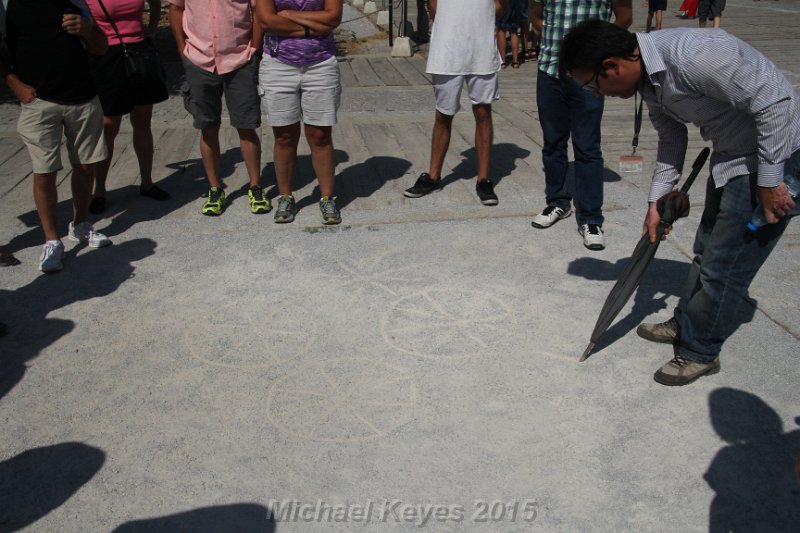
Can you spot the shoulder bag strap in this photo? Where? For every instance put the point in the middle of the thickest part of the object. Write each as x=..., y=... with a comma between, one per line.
x=113, y=26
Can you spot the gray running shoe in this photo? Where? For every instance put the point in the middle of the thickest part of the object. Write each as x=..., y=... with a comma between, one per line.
x=330, y=213
x=286, y=209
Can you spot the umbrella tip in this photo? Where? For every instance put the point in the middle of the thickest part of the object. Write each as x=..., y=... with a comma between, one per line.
x=586, y=352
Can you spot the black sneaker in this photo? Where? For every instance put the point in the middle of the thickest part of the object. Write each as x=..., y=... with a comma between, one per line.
x=485, y=190
x=424, y=185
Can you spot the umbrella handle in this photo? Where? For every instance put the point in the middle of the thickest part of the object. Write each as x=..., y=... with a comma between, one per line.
x=697, y=166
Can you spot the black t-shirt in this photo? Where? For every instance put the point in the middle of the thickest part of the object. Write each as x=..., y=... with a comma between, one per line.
x=43, y=55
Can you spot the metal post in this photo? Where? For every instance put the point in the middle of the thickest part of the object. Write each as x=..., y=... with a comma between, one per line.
x=405, y=17
x=391, y=26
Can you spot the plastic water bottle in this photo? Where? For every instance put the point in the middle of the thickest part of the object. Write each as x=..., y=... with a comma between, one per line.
x=759, y=219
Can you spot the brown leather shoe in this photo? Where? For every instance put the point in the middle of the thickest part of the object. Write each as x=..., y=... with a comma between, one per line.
x=665, y=332
x=681, y=371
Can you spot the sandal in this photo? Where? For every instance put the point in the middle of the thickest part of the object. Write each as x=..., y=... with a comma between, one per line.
x=503, y=65
x=155, y=193
x=515, y=64
x=531, y=55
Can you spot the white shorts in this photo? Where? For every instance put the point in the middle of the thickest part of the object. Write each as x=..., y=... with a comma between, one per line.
x=482, y=89
x=289, y=93
x=42, y=126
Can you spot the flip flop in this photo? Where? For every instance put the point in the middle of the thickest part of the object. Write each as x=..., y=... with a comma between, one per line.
x=503, y=65
x=515, y=64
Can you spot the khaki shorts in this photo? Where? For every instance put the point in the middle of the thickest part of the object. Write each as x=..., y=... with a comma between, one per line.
x=43, y=124
x=289, y=92
x=482, y=89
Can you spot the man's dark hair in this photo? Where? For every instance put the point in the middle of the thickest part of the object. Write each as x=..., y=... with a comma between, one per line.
x=591, y=42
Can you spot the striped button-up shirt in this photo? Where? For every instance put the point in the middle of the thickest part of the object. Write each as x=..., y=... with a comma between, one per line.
x=737, y=97
x=218, y=33
x=559, y=16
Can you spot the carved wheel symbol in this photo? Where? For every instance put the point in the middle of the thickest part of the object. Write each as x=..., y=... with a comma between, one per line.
x=250, y=336
x=342, y=401
x=446, y=323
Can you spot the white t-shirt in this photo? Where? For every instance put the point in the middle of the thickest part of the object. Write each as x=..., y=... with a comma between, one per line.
x=463, y=38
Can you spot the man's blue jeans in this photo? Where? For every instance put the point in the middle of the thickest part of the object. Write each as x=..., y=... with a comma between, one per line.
x=564, y=111
x=727, y=258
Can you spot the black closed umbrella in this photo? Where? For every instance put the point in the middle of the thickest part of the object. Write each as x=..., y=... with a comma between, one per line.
x=671, y=207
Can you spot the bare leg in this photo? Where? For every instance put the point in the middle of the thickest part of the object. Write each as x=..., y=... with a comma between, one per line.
x=45, y=195
x=285, y=155
x=82, y=176
x=514, y=47
x=501, y=44
x=440, y=142
x=702, y=22
x=143, y=142
x=250, y=144
x=717, y=22
x=659, y=19
x=209, y=151
x=484, y=134
x=110, y=131
x=320, y=140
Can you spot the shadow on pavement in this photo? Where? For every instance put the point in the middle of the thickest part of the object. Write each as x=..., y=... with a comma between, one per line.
x=244, y=517
x=754, y=478
x=503, y=162
x=303, y=175
x=89, y=275
x=363, y=179
x=126, y=207
x=664, y=278
x=39, y=480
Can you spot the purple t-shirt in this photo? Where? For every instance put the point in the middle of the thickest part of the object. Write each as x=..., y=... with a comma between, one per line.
x=299, y=50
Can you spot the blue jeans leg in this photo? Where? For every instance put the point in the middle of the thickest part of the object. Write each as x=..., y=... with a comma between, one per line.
x=587, y=113
x=727, y=258
x=554, y=112
x=565, y=112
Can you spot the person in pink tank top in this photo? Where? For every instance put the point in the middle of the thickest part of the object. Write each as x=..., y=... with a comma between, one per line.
x=118, y=97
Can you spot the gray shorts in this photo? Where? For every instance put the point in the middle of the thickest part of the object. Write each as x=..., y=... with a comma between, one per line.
x=42, y=126
x=203, y=90
x=289, y=92
x=710, y=8
x=482, y=89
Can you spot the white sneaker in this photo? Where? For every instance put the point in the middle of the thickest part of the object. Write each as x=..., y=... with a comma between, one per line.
x=549, y=216
x=52, y=253
x=85, y=233
x=592, y=236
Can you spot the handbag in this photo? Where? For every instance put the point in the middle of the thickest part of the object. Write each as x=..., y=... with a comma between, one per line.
x=142, y=66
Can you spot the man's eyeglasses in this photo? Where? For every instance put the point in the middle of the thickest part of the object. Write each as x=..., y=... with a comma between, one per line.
x=591, y=85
